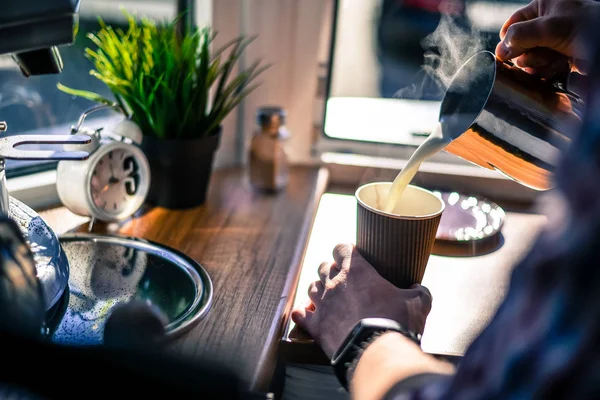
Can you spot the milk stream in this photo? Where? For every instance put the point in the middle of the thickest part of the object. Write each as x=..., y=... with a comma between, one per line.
x=434, y=143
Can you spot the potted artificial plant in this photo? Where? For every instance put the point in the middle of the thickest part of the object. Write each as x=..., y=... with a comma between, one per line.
x=178, y=90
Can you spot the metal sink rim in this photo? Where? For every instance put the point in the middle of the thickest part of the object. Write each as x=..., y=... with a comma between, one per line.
x=202, y=303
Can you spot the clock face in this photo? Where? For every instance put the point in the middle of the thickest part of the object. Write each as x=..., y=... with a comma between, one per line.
x=117, y=182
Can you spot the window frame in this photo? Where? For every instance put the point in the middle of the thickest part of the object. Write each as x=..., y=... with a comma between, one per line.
x=37, y=189
x=328, y=144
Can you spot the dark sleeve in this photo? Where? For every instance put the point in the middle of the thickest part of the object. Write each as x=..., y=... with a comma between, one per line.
x=407, y=388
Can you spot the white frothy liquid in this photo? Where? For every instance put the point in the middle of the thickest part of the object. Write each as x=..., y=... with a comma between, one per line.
x=434, y=143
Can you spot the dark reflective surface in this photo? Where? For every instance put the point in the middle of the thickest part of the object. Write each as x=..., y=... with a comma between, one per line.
x=21, y=295
x=106, y=272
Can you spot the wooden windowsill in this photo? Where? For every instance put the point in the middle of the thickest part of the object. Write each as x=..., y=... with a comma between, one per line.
x=252, y=246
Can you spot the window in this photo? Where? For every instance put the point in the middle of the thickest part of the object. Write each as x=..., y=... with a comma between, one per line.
x=388, y=62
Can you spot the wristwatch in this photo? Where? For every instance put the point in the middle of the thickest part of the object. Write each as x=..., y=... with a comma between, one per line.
x=360, y=336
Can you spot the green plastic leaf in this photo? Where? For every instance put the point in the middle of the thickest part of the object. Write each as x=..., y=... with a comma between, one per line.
x=84, y=94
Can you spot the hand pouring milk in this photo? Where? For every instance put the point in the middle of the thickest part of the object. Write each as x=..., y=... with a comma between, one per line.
x=498, y=117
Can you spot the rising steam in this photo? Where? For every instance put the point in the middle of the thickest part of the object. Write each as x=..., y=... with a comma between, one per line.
x=445, y=50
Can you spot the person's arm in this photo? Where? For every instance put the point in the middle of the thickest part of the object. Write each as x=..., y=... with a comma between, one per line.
x=388, y=364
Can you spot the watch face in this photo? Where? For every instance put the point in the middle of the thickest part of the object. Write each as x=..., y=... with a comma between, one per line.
x=116, y=182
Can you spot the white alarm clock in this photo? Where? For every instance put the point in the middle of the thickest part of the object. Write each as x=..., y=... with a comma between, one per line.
x=112, y=184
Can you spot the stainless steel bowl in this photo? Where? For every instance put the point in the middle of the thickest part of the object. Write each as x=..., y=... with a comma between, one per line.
x=107, y=271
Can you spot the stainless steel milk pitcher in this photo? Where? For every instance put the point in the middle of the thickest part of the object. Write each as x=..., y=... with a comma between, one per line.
x=504, y=119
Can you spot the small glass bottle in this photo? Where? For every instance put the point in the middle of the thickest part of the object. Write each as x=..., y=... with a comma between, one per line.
x=268, y=161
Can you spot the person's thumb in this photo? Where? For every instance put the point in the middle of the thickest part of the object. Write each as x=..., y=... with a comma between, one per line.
x=545, y=32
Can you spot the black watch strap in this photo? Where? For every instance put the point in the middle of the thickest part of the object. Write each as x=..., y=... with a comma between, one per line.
x=363, y=333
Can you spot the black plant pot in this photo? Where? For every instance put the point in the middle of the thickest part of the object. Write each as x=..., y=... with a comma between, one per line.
x=181, y=170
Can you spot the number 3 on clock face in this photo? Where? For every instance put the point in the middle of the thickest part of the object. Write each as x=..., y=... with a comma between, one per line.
x=110, y=186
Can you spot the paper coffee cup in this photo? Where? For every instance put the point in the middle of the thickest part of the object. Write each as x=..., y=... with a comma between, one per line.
x=397, y=244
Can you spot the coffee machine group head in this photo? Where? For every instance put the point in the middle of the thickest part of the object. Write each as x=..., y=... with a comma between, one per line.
x=32, y=30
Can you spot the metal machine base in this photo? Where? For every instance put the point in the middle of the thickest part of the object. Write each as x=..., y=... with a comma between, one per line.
x=51, y=262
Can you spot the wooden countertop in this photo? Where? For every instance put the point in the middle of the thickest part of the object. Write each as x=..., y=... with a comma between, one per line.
x=466, y=290
x=252, y=246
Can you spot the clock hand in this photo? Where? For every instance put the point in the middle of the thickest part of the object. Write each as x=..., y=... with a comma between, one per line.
x=111, y=182
x=106, y=187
